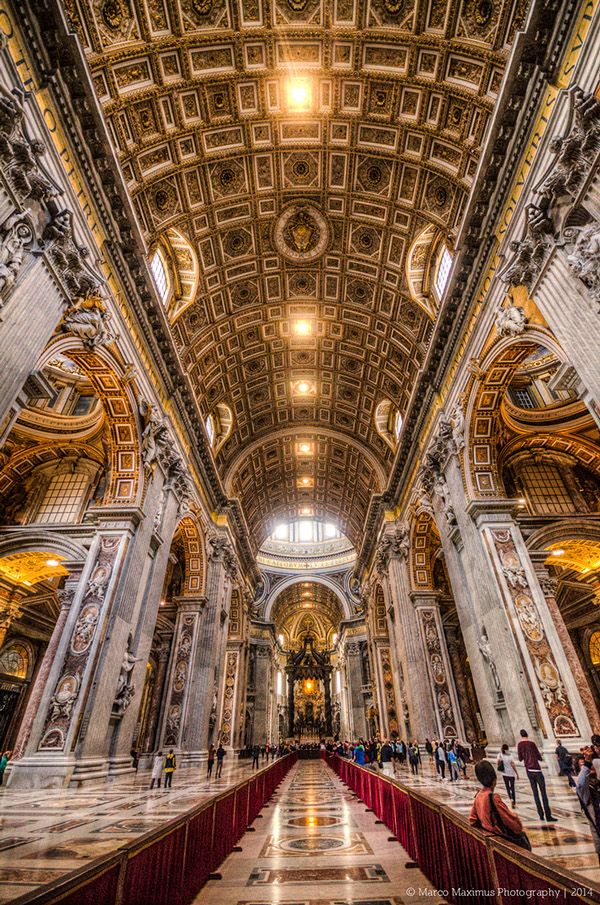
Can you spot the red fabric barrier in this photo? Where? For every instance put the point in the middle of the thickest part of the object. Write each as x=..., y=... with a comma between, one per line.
x=100, y=889
x=431, y=847
x=154, y=873
x=223, y=836
x=453, y=855
x=512, y=875
x=241, y=812
x=403, y=829
x=199, y=855
x=255, y=803
x=468, y=863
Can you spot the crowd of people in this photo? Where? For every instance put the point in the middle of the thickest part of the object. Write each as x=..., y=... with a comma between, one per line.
x=451, y=760
x=394, y=754
x=489, y=811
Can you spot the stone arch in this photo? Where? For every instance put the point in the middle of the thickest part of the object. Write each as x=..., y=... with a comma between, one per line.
x=125, y=481
x=586, y=454
x=19, y=466
x=17, y=541
x=482, y=475
x=299, y=579
x=194, y=546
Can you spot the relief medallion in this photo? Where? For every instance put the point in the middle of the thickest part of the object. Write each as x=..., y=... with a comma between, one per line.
x=301, y=233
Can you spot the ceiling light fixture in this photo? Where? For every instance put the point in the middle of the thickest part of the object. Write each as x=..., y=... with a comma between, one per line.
x=305, y=448
x=299, y=94
x=303, y=328
x=303, y=387
x=52, y=563
x=558, y=553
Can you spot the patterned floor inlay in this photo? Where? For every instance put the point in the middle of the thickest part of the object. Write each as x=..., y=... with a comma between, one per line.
x=316, y=844
x=371, y=873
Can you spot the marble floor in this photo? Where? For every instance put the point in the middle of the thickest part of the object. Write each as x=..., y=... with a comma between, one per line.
x=45, y=834
x=567, y=843
x=315, y=844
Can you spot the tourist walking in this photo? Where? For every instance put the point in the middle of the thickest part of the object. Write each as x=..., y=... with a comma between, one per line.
x=589, y=795
x=441, y=760
x=414, y=758
x=3, y=765
x=211, y=760
x=386, y=755
x=565, y=763
x=157, y=768
x=489, y=811
x=170, y=767
x=527, y=752
x=453, y=765
x=220, y=756
x=255, y=756
x=429, y=749
x=359, y=753
x=508, y=768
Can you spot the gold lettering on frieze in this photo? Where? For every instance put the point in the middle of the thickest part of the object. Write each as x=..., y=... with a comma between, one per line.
x=581, y=32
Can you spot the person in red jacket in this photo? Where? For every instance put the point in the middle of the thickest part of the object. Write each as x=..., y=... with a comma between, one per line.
x=481, y=813
x=528, y=752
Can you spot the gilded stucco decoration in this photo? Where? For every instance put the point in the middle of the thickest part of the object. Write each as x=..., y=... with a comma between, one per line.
x=300, y=214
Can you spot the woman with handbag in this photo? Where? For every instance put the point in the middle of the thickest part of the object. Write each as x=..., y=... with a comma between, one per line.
x=491, y=814
x=508, y=768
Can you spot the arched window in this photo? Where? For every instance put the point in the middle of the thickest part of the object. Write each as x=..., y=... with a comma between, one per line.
x=388, y=422
x=595, y=648
x=161, y=277
x=219, y=425
x=442, y=274
x=210, y=429
x=14, y=661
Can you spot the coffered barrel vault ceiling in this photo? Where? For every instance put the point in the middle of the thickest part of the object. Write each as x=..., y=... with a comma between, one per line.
x=314, y=215
x=304, y=608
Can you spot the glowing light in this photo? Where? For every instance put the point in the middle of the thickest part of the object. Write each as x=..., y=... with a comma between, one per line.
x=28, y=583
x=303, y=387
x=52, y=563
x=521, y=501
x=280, y=639
x=306, y=510
x=303, y=328
x=306, y=481
x=558, y=553
x=299, y=94
x=308, y=686
x=304, y=448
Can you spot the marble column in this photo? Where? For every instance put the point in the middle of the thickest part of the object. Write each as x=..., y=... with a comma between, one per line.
x=264, y=689
x=572, y=316
x=23, y=337
x=229, y=730
x=411, y=653
x=496, y=665
x=202, y=710
x=175, y=713
x=561, y=711
x=472, y=729
x=548, y=586
x=10, y=610
x=51, y=758
x=357, y=717
x=158, y=693
x=65, y=596
x=439, y=668
x=131, y=632
x=290, y=703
